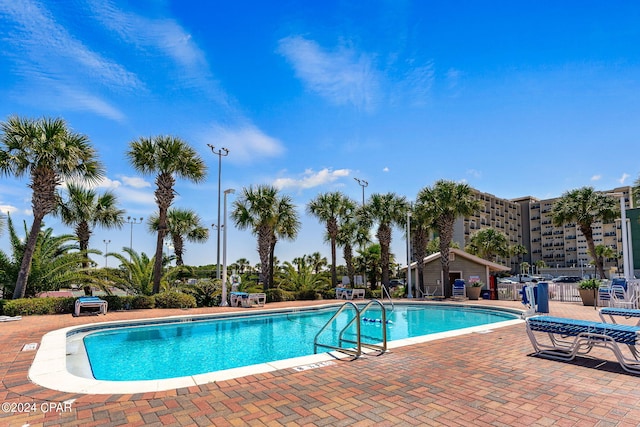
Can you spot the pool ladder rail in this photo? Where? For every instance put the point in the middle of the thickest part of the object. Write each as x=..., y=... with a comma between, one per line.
x=357, y=351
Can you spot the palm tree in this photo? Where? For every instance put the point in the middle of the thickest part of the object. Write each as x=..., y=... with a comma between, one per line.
x=488, y=243
x=286, y=226
x=518, y=251
x=446, y=201
x=387, y=210
x=347, y=234
x=56, y=261
x=135, y=273
x=85, y=209
x=328, y=207
x=167, y=157
x=49, y=153
x=584, y=206
x=182, y=224
x=421, y=224
x=317, y=261
x=268, y=215
x=243, y=265
x=603, y=253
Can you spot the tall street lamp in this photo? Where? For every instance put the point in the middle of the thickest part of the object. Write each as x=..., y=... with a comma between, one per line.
x=222, y=152
x=626, y=256
x=224, y=302
x=409, y=294
x=106, y=250
x=362, y=183
x=131, y=221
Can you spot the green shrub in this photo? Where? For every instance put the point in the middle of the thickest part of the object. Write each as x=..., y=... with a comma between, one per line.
x=142, y=301
x=589, y=284
x=328, y=293
x=172, y=299
x=39, y=306
x=306, y=295
x=278, y=295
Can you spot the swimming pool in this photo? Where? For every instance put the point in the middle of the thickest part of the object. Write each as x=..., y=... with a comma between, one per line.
x=206, y=348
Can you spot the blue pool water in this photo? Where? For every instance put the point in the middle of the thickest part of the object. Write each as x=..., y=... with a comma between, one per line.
x=179, y=349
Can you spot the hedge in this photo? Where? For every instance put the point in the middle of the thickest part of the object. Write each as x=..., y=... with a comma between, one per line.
x=174, y=299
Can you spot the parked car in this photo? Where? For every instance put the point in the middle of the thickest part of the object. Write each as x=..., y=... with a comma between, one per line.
x=567, y=279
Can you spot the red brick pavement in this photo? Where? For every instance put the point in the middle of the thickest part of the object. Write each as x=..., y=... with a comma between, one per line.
x=485, y=379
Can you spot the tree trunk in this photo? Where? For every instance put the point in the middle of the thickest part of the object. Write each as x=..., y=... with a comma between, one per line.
x=27, y=257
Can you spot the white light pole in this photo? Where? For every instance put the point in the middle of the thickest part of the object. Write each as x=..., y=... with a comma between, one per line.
x=362, y=183
x=626, y=256
x=222, y=152
x=131, y=221
x=224, y=302
x=409, y=294
x=106, y=250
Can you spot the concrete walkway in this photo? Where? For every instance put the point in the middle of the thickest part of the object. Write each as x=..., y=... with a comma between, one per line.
x=480, y=379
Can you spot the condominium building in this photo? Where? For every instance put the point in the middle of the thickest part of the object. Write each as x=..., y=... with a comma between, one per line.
x=527, y=221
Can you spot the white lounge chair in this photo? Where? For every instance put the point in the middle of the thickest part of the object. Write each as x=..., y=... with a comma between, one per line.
x=613, y=312
x=239, y=299
x=257, y=299
x=621, y=297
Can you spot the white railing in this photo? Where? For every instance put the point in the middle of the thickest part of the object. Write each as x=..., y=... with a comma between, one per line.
x=557, y=292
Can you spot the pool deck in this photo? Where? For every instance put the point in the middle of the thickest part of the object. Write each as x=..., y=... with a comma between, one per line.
x=479, y=379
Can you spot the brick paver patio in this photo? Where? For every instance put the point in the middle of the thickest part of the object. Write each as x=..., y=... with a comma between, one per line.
x=480, y=379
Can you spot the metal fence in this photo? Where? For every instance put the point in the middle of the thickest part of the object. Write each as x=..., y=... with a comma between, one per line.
x=565, y=292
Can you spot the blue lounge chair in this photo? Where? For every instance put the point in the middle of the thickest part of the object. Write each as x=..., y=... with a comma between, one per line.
x=567, y=338
x=612, y=312
x=90, y=302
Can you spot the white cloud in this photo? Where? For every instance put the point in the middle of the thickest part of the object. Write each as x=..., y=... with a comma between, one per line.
x=246, y=144
x=624, y=177
x=311, y=179
x=51, y=52
x=135, y=182
x=385, y=169
x=343, y=76
x=4, y=209
x=596, y=177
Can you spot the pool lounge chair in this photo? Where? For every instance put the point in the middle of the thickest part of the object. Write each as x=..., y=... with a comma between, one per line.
x=239, y=299
x=90, y=302
x=567, y=338
x=621, y=297
x=257, y=299
x=613, y=312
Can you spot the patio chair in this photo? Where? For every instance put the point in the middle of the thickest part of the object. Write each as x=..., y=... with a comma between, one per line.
x=239, y=299
x=90, y=302
x=257, y=299
x=622, y=298
x=613, y=312
x=567, y=338
x=604, y=296
x=458, y=289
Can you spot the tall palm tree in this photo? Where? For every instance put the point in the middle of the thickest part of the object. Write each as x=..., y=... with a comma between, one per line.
x=167, y=157
x=286, y=227
x=387, y=210
x=267, y=214
x=488, y=243
x=328, y=208
x=584, y=206
x=317, y=261
x=421, y=224
x=347, y=234
x=48, y=152
x=446, y=201
x=182, y=224
x=84, y=209
x=603, y=253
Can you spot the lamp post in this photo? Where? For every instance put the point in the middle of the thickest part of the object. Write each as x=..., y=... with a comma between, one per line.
x=224, y=303
x=362, y=183
x=626, y=256
x=222, y=152
x=106, y=250
x=131, y=221
x=409, y=293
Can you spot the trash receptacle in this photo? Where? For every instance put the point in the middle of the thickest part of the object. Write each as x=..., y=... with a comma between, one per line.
x=542, y=297
x=486, y=294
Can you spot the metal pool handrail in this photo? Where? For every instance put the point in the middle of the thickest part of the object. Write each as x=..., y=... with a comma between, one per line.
x=358, y=350
x=381, y=348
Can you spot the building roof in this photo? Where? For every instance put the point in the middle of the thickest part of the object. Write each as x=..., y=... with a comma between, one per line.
x=459, y=252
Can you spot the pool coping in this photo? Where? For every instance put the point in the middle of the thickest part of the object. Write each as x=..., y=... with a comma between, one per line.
x=49, y=368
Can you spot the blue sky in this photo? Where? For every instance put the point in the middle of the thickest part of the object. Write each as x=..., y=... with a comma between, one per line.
x=514, y=98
